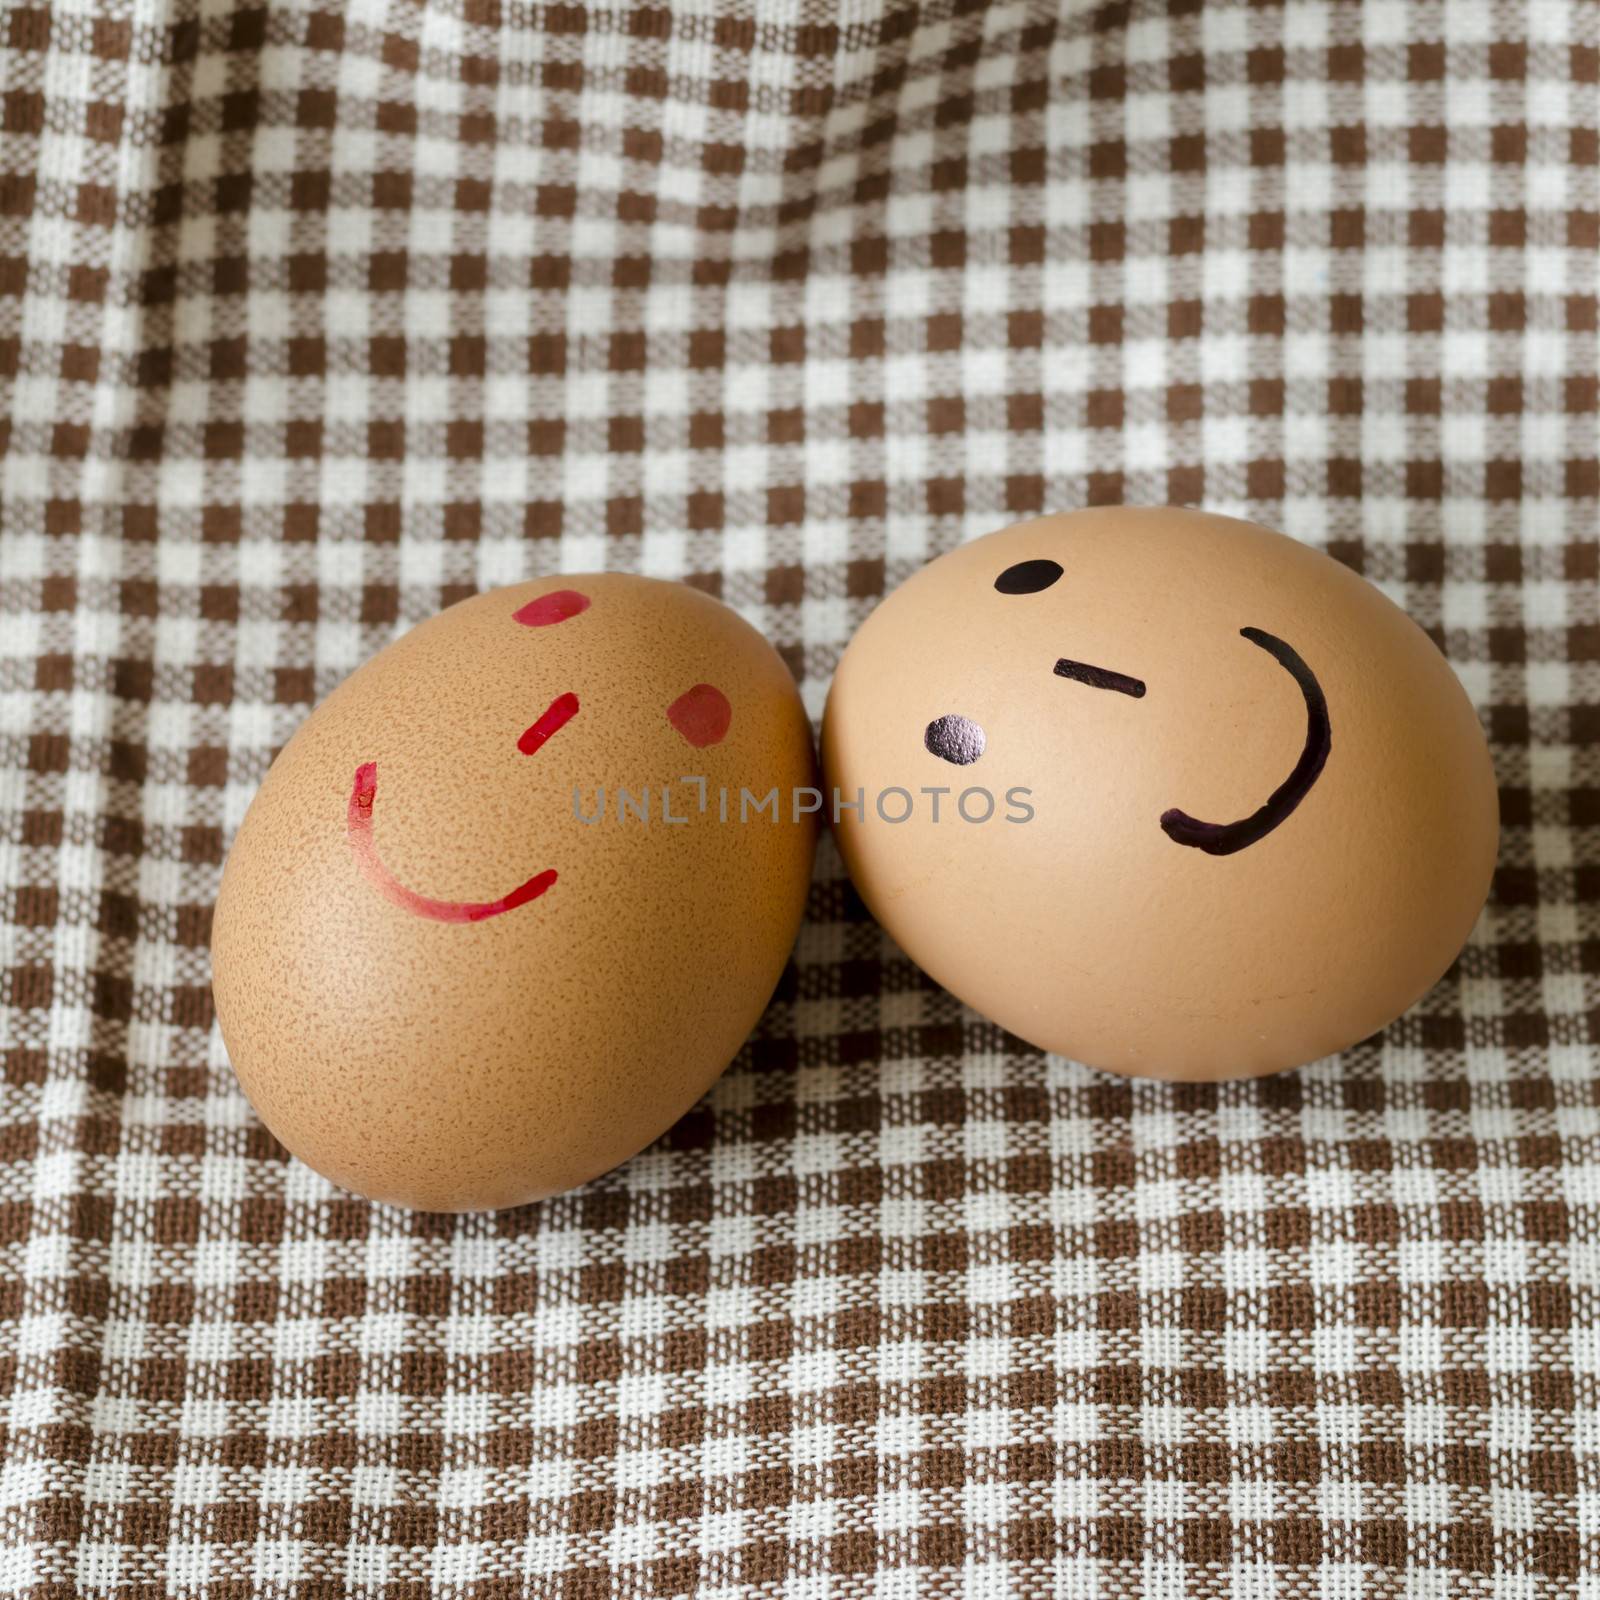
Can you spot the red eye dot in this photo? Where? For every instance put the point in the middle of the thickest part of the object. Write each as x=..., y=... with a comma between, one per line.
x=701, y=715
x=556, y=606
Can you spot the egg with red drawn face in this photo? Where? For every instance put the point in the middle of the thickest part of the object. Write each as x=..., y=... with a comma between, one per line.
x=515, y=893
x=1164, y=792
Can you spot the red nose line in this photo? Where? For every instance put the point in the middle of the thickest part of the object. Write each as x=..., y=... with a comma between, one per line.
x=562, y=710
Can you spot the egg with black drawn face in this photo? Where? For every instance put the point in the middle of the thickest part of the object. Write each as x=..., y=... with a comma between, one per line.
x=490, y=925
x=1164, y=792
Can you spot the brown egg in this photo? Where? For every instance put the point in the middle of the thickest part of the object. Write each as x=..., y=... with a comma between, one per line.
x=438, y=983
x=1243, y=814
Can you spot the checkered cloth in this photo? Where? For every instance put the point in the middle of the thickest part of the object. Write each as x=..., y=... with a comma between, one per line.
x=313, y=320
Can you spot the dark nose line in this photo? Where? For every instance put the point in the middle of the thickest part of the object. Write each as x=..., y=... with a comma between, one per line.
x=1100, y=677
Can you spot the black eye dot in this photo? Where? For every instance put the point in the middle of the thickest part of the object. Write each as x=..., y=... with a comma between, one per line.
x=1028, y=577
x=958, y=740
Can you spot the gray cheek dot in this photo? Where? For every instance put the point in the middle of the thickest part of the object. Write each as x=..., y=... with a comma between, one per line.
x=958, y=740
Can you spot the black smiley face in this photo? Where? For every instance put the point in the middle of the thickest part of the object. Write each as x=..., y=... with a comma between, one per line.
x=962, y=741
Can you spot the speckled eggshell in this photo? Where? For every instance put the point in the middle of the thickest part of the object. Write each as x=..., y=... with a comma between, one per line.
x=459, y=1065
x=1090, y=929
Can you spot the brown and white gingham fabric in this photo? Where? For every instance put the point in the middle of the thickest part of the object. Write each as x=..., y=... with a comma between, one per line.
x=314, y=318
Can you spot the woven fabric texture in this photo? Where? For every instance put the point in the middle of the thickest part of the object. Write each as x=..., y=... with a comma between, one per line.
x=316, y=318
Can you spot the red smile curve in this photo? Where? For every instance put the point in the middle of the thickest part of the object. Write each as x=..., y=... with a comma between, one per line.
x=365, y=849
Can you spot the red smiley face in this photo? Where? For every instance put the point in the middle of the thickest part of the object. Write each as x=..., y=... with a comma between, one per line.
x=701, y=714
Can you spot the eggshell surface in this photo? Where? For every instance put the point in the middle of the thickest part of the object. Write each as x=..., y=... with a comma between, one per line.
x=438, y=983
x=1244, y=814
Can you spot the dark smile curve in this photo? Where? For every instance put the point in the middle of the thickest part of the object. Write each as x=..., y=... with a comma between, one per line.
x=1224, y=838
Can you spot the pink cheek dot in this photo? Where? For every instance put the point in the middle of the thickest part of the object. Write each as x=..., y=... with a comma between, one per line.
x=556, y=606
x=701, y=715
